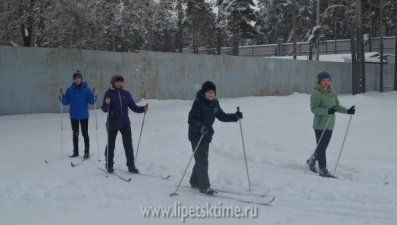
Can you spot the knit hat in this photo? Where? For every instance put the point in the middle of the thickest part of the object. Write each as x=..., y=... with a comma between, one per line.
x=322, y=75
x=77, y=74
x=116, y=78
x=208, y=85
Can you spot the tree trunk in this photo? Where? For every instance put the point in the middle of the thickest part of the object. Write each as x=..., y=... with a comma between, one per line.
x=313, y=22
x=360, y=47
x=149, y=35
x=218, y=48
x=353, y=48
x=370, y=27
x=194, y=44
x=180, y=28
x=395, y=52
x=27, y=26
x=336, y=15
x=294, y=27
x=26, y=35
x=113, y=43
x=318, y=31
x=235, y=42
x=381, y=44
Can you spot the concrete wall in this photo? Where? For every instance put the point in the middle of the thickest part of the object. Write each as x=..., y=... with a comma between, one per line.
x=30, y=78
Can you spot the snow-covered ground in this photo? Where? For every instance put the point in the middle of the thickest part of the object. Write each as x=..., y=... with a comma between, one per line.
x=278, y=140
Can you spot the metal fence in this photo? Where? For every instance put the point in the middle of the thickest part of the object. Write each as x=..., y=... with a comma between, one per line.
x=342, y=46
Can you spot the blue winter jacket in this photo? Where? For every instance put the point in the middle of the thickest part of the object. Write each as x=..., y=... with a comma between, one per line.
x=203, y=113
x=120, y=101
x=78, y=98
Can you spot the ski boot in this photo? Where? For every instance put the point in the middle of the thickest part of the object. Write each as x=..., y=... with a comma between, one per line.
x=324, y=173
x=75, y=154
x=133, y=169
x=86, y=154
x=207, y=191
x=109, y=169
x=312, y=164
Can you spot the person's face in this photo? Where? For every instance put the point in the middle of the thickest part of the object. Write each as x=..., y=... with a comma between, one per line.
x=209, y=95
x=77, y=80
x=118, y=84
x=325, y=83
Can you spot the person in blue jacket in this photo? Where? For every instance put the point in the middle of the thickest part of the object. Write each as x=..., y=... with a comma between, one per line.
x=116, y=103
x=79, y=95
x=201, y=118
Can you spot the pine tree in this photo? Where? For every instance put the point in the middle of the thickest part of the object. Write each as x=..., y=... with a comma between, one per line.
x=201, y=22
x=237, y=15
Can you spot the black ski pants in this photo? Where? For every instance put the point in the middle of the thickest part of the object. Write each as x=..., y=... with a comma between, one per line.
x=84, y=130
x=127, y=143
x=199, y=175
x=322, y=147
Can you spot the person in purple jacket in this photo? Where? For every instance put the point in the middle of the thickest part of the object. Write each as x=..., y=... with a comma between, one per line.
x=79, y=95
x=116, y=102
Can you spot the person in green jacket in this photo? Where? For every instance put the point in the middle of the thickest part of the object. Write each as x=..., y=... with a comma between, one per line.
x=324, y=103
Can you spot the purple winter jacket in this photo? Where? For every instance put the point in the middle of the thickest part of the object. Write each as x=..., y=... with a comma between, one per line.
x=120, y=101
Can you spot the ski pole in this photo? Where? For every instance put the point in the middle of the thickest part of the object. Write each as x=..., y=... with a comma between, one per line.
x=348, y=125
x=312, y=157
x=96, y=124
x=143, y=121
x=61, y=122
x=107, y=145
x=245, y=156
x=194, y=152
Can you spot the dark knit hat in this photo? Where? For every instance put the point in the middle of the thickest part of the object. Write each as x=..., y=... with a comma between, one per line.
x=322, y=75
x=115, y=78
x=77, y=74
x=208, y=85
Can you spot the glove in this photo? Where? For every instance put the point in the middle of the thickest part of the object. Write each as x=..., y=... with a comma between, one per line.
x=332, y=110
x=94, y=92
x=107, y=101
x=145, y=108
x=204, y=130
x=239, y=115
x=352, y=110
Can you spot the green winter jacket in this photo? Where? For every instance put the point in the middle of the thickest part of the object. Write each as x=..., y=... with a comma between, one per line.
x=320, y=102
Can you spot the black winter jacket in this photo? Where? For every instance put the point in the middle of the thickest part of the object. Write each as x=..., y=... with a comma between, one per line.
x=203, y=113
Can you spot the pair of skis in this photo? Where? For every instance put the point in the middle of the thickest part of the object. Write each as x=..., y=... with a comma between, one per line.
x=248, y=197
x=115, y=173
x=80, y=161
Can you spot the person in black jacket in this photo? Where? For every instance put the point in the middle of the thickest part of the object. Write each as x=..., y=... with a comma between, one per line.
x=201, y=118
